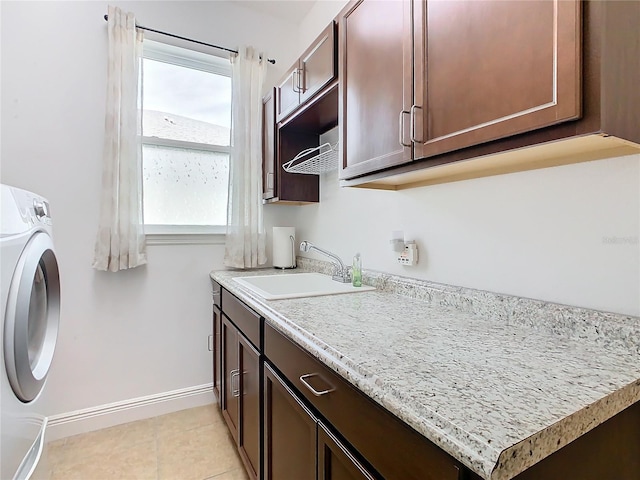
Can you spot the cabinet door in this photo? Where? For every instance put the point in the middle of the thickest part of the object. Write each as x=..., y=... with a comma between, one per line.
x=491, y=69
x=289, y=432
x=288, y=93
x=375, y=86
x=249, y=408
x=335, y=462
x=268, y=146
x=318, y=64
x=217, y=352
x=231, y=382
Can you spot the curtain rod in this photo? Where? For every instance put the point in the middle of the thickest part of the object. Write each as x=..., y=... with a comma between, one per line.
x=270, y=60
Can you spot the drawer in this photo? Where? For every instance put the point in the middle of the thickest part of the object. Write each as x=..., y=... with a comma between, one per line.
x=215, y=292
x=391, y=446
x=247, y=321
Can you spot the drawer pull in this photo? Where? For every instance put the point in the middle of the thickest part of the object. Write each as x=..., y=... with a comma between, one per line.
x=311, y=389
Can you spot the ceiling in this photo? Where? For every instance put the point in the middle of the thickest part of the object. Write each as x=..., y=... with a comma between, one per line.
x=290, y=10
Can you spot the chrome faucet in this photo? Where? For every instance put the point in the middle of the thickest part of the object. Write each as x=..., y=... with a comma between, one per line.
x=341, y=273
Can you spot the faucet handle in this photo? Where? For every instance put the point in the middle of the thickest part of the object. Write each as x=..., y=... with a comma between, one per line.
x=342, y=275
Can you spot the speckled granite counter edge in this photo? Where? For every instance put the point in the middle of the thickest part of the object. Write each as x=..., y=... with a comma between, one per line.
x=572, y=322
x=539, y=446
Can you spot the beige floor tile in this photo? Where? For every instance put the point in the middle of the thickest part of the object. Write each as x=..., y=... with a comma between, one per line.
x=170, y=424
x=55, y=451
x=138, y=462
x=192, y=444
x=197, y=454
x=102, y=443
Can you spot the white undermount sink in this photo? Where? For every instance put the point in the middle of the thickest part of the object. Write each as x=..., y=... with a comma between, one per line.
x=295, y=285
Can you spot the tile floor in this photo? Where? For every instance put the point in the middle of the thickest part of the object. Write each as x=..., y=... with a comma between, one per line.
x=191, y=444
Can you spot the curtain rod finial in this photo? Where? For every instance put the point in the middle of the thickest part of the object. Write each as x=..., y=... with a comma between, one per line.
x=271, y=61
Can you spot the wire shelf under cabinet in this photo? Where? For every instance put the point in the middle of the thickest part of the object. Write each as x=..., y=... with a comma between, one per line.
x=314, y=161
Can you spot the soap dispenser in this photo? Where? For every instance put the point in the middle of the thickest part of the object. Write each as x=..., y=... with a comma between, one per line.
x=356, y=271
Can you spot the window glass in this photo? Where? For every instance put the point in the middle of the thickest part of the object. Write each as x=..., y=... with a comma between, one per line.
x=184, y=187
x=186, y=136
x=185, y=104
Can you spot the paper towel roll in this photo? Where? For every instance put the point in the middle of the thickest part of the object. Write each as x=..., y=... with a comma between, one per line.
x=284, y=247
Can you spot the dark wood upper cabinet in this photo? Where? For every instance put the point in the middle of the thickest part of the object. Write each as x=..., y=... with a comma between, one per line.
x=491, y=69
x=288, y=92
x=318, y=64
x=268, y=146
x=488, y=80
x=375, y=86
x=315, y=68
x=304, y=105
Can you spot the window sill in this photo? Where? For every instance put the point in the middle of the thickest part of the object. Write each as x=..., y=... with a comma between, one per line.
x=184, y=235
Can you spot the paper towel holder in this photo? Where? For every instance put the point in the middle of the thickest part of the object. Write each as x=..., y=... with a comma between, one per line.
x=293, y=255
x=294, y=264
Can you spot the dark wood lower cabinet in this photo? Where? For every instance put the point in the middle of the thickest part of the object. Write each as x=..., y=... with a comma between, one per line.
x=230, y=390
x=289, y=432
x=217, y=352
x=335, y=462
x=249, y=408
x=241, y=403
x=296, y=444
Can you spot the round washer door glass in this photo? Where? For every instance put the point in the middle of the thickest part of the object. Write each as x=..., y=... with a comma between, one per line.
x=32, y=318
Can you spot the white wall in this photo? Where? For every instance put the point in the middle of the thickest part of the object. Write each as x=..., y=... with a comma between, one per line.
x=544, y=234
x=565, y=234
x=133, y=333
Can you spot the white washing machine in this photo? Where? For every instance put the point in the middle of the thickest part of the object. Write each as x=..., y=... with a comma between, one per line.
x=30, y=286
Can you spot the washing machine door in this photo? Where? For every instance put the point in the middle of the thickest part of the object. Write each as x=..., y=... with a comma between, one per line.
x=32, y=317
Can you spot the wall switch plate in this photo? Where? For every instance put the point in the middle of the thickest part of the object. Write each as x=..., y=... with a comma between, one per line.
x=210, y=343
x=409, y=256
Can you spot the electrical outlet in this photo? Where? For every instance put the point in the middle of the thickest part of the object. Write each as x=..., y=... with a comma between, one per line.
x=210, y=343
x=409, y=256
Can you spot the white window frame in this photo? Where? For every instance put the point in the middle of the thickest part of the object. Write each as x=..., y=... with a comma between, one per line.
x=185, y=234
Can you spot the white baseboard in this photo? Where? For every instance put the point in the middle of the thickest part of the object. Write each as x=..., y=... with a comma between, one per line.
x=103, y=416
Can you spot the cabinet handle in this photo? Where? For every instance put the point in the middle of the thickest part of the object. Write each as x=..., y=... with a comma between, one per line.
x=301, y=80
x=311, y=389
x=412, y=123
x=235, y=391
x=270, y=177
x=401, y=128
x=295, y=80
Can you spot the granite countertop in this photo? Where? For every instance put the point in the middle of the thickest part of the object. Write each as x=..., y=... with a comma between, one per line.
x=498, y=382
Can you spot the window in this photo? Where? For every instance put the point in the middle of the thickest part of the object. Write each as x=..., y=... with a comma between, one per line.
x=186, y=120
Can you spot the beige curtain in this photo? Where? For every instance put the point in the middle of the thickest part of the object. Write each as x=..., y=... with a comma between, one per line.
x=246, y=237
x=120, y=242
